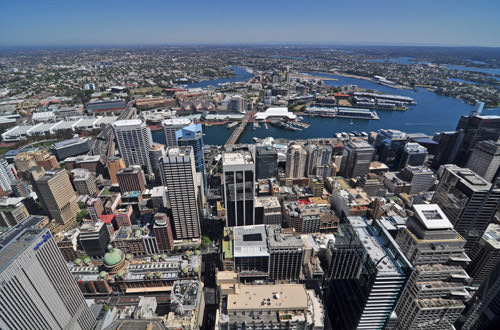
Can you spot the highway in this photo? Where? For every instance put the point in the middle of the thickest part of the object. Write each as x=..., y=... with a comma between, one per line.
x=103, y=144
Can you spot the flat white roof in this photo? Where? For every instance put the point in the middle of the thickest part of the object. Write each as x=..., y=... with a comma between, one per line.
x=241, y=157
x=431, y=216
x=275, y=112
x=127, y=122
x=176, y=121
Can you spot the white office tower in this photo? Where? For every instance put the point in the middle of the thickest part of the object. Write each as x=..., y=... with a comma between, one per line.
x=134, y=142
x=296, y=160
x=433, y=298
x=170, y=126
x=179, y=176
x=238, y=167
x=37, y=291
x=7, y=177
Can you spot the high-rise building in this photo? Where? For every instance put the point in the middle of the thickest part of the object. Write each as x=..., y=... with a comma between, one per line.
x=7, y=177
x=170, y=127
x=472, y=129
x=484, y=311
x=467, y=201
x=38, y=291
x=162, y=230
x=115, y=164
x=192, y=135
x=286, y=252
x=251, y=252
x=421, y=178
x=239, y=176
x=389, y=144
x=83, y=181
x=445, y=153
x=57, y=196
x=156, y=152
x=485, y=159
x=134, y=142
x=433, y=297
x=12, y=212
x=20, y=188
x=485, y=255
x=357, y=157
x=296, y=161
x=94, y=238
x=179, y=176
x=131, y=179
x=413, y=155
x=266, y=162
x=365, y=298
x=312, y=159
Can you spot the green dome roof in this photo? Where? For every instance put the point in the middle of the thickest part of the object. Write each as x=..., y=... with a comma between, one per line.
x=113, y=257
x=103, y=274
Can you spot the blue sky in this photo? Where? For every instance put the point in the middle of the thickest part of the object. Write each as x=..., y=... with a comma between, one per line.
x=107, y=22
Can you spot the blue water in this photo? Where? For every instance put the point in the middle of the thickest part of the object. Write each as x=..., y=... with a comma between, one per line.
x=464, y=81
x=397, y=60
x=432, y=113
x=491, y=71
x=241, y=75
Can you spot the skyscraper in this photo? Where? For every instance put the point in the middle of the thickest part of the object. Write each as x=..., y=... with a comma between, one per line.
x=179, y=177
x=266, y=162
x=57, y=196
x=296, y=161
x=389, y=144
x=485, y=159
x=484, y=313
x=485, y=255
x=365, y=298
x=413, y=155
x=192, y=135
x=170, y=127
x=472, y=129
x=467, y=201
x=38, y=291
x=239, y=176
x=357, y=157
x=432, y=299
x=134, y=142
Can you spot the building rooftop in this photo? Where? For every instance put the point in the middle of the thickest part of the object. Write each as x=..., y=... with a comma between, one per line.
x=492, y=235
x=69, y=142
x=375, y=247
x=176, y=121
x=18, y=242
x=431, y=216
x=127, y=122
x=250, y=241
x=278, y=238
x=242, y=157
x=274, y=297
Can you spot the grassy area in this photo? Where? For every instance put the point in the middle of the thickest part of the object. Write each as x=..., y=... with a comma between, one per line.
x=4, y=150
x=145, y=90
x=43, y=144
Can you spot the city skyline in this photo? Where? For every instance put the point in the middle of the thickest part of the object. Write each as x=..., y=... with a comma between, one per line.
x=445, y=23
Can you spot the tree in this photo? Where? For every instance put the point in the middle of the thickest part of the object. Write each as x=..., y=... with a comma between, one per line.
x=205, y=242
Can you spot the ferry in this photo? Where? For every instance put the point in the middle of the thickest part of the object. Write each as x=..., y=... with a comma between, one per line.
x=232, y=124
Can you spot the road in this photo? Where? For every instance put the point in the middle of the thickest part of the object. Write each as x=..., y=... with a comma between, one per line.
x=103, y=144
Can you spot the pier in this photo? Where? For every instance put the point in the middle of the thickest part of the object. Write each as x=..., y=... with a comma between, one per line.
x=238, y=131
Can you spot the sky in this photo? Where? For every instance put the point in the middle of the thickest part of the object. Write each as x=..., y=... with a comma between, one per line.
x=146, y=22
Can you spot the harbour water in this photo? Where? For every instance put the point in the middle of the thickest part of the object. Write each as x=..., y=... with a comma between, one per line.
x=432, y=113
